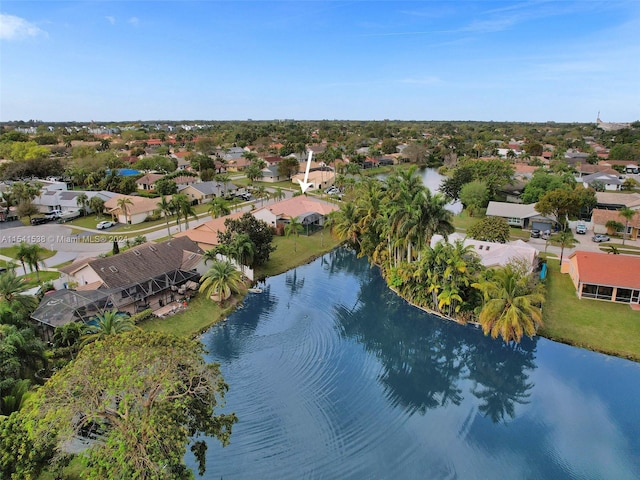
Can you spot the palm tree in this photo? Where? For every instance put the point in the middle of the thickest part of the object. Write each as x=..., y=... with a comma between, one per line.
x=566, y=240
x=344, y=224
x=68, y=335
x=123, y=204
x=243, y=249
x=34, y=258
x=109, y=323
x=166, y=209
x=22, y=253
x=11, y=288
x=627, y=214
x=511, y=307
x=220, y=281
x=184, y=208
x=261, y=192
x=82, y=201
x=278, y=194
x=219, y=207
x=223, y=178
x=97, y=205
x=294, y=227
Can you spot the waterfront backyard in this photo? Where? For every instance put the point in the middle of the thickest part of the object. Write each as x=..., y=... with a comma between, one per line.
x=606, y=327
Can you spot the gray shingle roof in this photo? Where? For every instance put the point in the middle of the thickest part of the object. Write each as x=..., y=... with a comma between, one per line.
x=145, y=262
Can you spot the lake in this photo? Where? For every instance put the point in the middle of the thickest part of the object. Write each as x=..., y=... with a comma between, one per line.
x=432, y=180
x=333, y=376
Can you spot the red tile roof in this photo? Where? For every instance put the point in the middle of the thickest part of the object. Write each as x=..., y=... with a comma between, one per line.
x=606, y=269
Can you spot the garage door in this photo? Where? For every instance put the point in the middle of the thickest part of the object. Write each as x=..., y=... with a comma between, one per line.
x=541, y=225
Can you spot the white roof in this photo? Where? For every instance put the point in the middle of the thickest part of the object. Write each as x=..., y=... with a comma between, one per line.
x=494, y=254
x=514, y=210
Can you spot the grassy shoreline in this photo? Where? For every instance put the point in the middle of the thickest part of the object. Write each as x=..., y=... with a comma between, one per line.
x=603, y=327
x=202, y=313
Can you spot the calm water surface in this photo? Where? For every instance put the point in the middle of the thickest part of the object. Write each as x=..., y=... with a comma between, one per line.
x=334, y=377
x=432, y=180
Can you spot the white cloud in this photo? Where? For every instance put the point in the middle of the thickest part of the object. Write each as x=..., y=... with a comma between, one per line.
x=429, y=80
x=111, y=20
x=16, y=28
x=134, y=21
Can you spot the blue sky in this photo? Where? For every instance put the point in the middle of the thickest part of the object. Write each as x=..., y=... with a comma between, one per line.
x=430, y=60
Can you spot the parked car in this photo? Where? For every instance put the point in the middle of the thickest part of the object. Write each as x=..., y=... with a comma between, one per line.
x=331, y=189
x=105, y=224
x=581, y=228
x=39, y=220
x=53, y=214
x=535, y=233
x=600, y=238
x=546, y=235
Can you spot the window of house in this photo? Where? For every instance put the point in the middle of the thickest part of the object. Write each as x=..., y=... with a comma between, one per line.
x=599, y=292
x=623, y=295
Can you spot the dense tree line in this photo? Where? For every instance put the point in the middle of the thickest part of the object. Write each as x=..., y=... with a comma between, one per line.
x=393, y=222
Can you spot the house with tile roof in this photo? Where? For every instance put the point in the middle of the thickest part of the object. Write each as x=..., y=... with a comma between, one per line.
x=600, y=276
x=320, y=179
x=137, y=211
x=148, y=181
x=600, y=218
x=206, y=234
x=310, y=211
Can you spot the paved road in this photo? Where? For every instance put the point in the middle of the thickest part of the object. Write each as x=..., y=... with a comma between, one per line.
x=92, y=242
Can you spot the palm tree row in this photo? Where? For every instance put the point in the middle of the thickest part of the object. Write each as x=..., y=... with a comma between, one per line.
x=180, y=206
x=31, y=255
x=392, y=222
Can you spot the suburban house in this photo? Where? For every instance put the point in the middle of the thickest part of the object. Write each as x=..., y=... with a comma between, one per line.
x=600, y=217
x=151, y=275
x=203, y=192
x=148, y=181
x=601, y=276
x=183, y=163
x=311, y=212
x=206, y=234
x=319, y=178
x=270, y=174
x=521, y=215
x=493, y=254
x=185, y=180
x=616, y=201
x=137, y=210
x=67, y=200
x=272, y=160
x=610, y=181
x=238, y=164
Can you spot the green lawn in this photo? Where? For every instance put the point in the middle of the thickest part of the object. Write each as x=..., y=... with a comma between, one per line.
x=200, y=314
x=597, y=325
x=31, y=280
x=13, y=252
x=463, y=221
x=291, y=252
